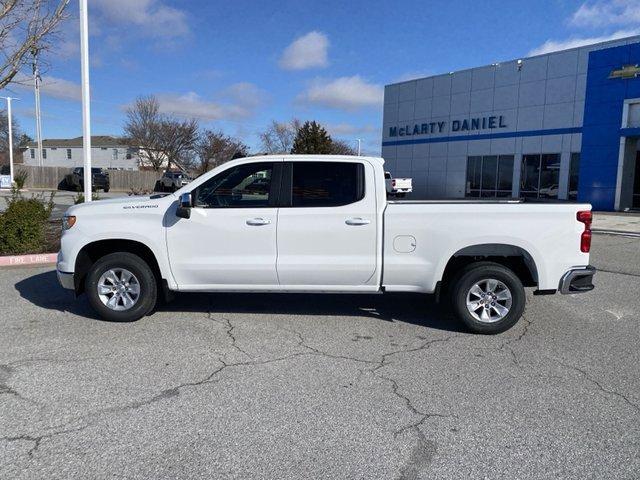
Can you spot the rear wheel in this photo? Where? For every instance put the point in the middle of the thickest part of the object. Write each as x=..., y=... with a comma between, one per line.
x=488, y=297
x=121, y=287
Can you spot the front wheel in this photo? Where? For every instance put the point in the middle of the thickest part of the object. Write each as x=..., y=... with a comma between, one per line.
x=121, y=287
x=488, y=298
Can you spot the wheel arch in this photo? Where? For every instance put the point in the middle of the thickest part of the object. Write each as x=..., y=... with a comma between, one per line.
x=515, y=258
x=93, y=251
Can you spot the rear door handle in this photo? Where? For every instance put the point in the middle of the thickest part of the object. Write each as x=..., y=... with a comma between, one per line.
x=256, y=222
x=357, y=221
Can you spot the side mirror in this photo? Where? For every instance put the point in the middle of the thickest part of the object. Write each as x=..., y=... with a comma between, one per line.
x=184, y=206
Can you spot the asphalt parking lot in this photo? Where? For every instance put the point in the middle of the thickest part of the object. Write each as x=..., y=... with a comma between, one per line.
x=266, y=386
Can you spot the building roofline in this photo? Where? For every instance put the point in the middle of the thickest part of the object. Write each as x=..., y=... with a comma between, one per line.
x=617, y=40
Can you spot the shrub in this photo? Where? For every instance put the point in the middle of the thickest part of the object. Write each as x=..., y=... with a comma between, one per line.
x=20, y=179
x=79, y=198
x=22, y=226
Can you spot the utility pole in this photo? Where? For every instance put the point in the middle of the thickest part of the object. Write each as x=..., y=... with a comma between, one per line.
x=36, y=86
x=86, y=111
x=10, y=125
x=359, y=142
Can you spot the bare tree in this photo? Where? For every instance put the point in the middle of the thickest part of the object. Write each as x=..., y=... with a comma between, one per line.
x=279, y=136
x=26, y=26
x=142, y=128
x=178, y=140
x=215, y=148
x=161, y=139
x=340, y=147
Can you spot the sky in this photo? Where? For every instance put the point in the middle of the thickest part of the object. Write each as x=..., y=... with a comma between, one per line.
x=236, y=66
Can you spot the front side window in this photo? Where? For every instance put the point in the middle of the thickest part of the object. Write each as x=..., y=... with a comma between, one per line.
x=326, y=184
x=244, y=186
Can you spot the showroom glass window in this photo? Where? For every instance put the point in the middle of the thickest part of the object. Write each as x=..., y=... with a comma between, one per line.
x=540, y=175
x=244, y=186
x=489, y=176
x=574, y=168
x=326, y=184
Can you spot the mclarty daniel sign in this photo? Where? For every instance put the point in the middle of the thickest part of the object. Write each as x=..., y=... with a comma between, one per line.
x=462, y=125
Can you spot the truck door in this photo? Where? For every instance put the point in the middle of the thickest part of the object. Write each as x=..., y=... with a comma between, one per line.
x=327, y=224
x=230, y=240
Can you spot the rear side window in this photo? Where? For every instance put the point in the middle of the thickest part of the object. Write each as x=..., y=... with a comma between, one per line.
x=327, y=184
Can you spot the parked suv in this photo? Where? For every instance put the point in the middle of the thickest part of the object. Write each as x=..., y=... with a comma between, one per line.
x=172, y=181
x=99, y=180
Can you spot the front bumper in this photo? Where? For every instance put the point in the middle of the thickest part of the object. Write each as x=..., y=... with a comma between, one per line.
x=66, y=280
x=579, y=280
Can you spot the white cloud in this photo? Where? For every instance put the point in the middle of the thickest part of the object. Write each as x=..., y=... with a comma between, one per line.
x=239, y=101
x=345, y=93
x=152, y=16
x=573, y=42
x=405, y=77
x=51, y=86
x=604, y=15
x=607, y=13
x=339, y=129
x=308, y=51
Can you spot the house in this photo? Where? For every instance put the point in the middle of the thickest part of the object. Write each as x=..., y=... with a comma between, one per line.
x=106, y=152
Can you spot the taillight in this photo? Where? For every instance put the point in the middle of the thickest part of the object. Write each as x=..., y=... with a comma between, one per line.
x=393, y=183
x=586, y=217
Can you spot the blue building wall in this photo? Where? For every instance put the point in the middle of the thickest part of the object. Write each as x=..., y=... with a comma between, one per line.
x=601, y=129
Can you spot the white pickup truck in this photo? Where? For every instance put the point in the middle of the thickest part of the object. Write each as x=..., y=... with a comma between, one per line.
x=322, y=224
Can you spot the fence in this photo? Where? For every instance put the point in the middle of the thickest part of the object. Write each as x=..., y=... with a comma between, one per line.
x=123, y=180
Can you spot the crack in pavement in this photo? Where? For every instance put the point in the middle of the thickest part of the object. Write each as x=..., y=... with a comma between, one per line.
x=37, y=439
x=507, y=344
x=93, y=417
x=425, y=345
x=315, y=351
x=587, y=377
x=425, y=449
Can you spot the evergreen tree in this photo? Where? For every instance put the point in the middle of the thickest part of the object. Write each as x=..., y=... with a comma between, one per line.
x=312, y=138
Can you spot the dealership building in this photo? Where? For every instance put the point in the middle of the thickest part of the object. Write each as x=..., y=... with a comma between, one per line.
x=563, y=125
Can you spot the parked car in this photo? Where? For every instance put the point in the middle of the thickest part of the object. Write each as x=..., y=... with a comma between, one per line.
x=324, y=226
x=75, y=180
x=172, y=181
x=397, y=187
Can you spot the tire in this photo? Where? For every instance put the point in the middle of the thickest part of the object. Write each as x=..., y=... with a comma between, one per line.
x=502, y=306
x=119, y=263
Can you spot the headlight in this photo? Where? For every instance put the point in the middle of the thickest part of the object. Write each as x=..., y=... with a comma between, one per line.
x=68, y=221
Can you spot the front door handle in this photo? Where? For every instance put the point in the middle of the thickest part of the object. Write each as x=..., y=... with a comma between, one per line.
x=357, y=221
x=256, y=222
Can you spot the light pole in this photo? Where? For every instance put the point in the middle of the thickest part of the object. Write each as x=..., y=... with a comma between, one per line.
x=10, y=128
x=36, y=87
x=86, y=112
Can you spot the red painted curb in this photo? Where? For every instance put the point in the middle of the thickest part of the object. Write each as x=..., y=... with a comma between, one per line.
x=35, y=259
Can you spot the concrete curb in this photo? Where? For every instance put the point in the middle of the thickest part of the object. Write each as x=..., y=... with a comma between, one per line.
x=28, y=260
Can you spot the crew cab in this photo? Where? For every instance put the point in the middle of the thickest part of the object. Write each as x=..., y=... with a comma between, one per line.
x=99, y=179
x=322, y=224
